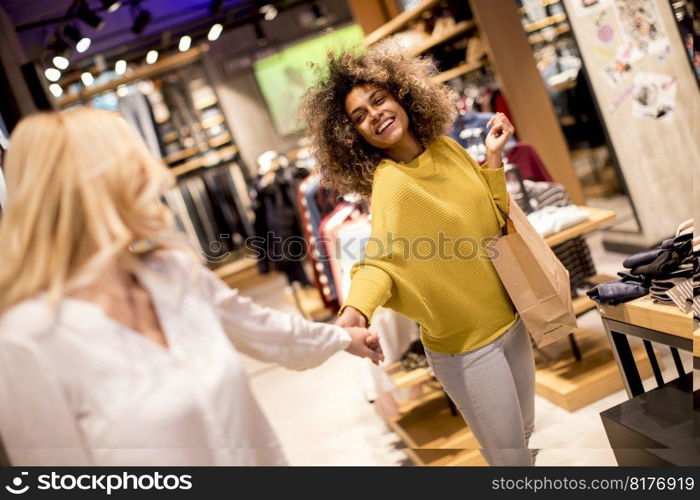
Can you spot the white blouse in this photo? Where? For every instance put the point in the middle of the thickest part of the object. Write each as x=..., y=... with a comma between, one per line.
x=83, y=389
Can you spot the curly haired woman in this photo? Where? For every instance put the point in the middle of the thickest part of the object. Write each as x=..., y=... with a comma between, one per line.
x=377, y=126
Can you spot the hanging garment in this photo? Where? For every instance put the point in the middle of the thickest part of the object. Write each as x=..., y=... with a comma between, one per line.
x=320, y=202
x=80, y=389
x=177, y=205
x=194, y=217
x=276, y=219
x=137, y=112
x=529, y=162
x=318, y=254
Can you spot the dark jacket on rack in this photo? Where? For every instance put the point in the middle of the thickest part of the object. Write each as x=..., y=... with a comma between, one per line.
x=277, y=225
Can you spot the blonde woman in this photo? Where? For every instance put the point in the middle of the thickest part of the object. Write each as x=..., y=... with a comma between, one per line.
x=116, y=347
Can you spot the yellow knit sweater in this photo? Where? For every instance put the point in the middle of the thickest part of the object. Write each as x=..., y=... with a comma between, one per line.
x=425, y=259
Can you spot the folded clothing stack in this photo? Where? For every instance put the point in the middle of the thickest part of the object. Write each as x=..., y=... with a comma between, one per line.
x=550, y=220
x=665, y=271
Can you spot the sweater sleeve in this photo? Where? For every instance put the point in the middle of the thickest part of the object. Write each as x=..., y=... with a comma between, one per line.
x=496, y=180
x=371, y=284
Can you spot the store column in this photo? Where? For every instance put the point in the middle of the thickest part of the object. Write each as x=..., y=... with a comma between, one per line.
x=649, y=102
x=517, y=76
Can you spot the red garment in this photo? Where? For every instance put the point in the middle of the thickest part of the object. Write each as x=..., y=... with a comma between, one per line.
x=529, y=162
x=316, y=266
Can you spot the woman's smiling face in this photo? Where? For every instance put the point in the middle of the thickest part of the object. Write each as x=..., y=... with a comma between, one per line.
x=377, y=115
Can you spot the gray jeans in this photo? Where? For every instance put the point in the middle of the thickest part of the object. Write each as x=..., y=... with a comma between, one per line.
x=494, y=389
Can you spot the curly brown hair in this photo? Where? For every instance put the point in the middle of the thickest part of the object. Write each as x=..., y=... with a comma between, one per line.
x=346, y=161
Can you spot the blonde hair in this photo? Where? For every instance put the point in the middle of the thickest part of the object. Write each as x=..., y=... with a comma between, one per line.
x=82, y=190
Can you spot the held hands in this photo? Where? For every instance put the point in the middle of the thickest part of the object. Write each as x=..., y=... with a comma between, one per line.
x=365, y=344
x=500, y=131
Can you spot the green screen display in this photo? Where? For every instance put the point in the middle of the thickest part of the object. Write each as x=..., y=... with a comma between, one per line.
x=284, y=77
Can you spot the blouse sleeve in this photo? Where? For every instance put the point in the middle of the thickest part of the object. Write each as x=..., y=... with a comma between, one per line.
x=37, y=425
x=270, y=335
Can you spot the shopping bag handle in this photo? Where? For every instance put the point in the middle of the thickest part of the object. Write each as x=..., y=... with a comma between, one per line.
x=509, y=227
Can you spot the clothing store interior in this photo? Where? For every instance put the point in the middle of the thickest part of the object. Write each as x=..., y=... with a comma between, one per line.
x=604, y=99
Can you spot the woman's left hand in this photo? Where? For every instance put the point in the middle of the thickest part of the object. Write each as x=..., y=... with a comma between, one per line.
x=500, y=131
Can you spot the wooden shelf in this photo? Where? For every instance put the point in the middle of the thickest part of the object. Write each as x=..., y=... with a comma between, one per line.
x=462, y=69
x=237, y=266
x=547, y=21
x=572, y=384
x=431, y=42
x=145, y=71
x=214, y=120
x=696, y=343
x=170, y=137
x=565, y=85
x=645, y=313
x=208, y=160
x=402, y=378
x=567, y=121
x=558, y=31
x=220, y=140
x=181, y=155
x=544, y=3
x=598, y=217
x=433, y=392
x=434, y=436
x=399, y=22
x=205, y=103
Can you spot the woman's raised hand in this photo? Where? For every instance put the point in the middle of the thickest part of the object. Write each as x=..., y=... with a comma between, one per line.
x=500, y=131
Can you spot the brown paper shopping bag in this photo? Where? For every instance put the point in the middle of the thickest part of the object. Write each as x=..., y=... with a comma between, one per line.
x=537, y=282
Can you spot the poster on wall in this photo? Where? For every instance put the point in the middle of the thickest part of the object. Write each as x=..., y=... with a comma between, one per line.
x=284, y=77
x=585, y=7
x=642, y=26
x=654, y=95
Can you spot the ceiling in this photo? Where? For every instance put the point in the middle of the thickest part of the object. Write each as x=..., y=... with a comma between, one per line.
x=36, y=21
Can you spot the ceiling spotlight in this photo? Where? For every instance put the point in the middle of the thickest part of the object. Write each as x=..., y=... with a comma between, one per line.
x=72, y=32
x=120, y=67
x=88, y=16
x=185, y=43
x=58, y=46
x=140, y=21
x=111, y=5
x=152, y=56
x=56, y=89
x=87, y=78
x=52, y=74
x=268, y=11
x=215, y=6
x=260, y=35
x=83, y=44
x=214, y=32
x=60, y=62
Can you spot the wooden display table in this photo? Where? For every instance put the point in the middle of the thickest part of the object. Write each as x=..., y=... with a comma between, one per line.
x=661, y=323
x=653, y=427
